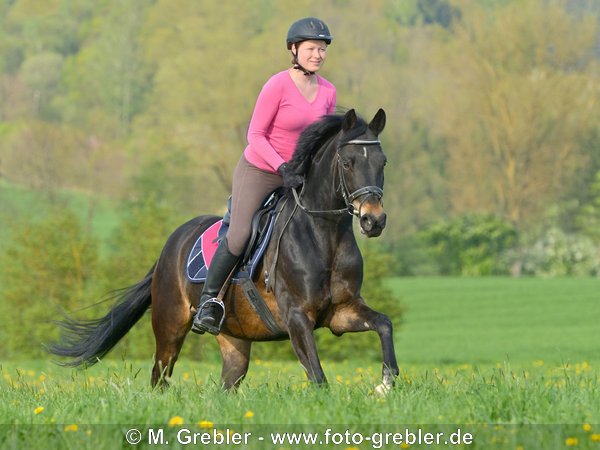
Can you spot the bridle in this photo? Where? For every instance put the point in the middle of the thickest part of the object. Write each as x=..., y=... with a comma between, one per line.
x=348, y=196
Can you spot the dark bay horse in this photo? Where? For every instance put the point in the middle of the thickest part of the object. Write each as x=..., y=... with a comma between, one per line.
x=313, y=264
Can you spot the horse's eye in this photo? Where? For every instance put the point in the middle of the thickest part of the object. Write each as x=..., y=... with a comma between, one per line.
x=346, y=164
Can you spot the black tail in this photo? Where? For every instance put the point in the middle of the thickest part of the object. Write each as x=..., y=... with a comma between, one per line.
x=87, y=341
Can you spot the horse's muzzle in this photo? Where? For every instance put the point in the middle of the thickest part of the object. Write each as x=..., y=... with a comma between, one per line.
x=372, y=219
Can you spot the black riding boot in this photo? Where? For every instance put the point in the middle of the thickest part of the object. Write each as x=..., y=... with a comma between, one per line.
x=210, y=310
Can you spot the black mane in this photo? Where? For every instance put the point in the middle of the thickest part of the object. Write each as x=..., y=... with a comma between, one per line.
x=316, y=135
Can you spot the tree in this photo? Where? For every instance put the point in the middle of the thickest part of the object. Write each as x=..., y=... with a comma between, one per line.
x=105, y=81
x=45, y=271
x=470, y=244
x=517, y=93
x=588, y=218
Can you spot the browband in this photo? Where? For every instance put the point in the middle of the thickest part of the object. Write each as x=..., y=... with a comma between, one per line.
x=361, y=142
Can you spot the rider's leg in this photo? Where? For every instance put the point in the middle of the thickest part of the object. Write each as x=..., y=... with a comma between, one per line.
x=210, y=312
x=250, y=187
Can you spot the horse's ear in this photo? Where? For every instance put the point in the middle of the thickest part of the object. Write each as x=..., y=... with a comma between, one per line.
x=378, y=123
x=349, y=120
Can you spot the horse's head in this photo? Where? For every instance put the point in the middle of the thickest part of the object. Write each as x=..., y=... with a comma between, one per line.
x=360, y=162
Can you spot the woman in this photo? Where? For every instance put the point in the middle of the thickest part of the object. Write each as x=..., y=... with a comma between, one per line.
x=289, y=102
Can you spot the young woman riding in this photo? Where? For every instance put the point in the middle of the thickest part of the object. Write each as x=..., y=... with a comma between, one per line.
x=288, y=102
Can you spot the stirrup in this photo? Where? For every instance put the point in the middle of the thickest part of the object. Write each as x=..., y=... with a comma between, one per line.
x=199, y=326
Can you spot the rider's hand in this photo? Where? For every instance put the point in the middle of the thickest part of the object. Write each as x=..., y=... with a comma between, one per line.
x=290, y=179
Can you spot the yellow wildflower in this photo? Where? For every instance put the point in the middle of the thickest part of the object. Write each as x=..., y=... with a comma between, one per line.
x=404, y=445
x=595, y=437
x=175, y=420
x=249, y=415
x=587, y=427
x=206, y=424
x=38, y=410
x=571, y=442
x=72, y=427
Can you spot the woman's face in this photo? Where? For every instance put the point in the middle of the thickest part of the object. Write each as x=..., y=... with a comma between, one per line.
x=311, y=54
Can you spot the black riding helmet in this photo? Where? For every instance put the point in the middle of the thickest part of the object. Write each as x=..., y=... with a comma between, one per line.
x=307, y=29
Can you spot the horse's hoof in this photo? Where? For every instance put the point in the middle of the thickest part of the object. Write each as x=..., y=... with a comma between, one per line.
x=382, y=390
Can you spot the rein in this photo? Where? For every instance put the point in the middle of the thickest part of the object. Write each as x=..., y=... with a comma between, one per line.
x=348, y=196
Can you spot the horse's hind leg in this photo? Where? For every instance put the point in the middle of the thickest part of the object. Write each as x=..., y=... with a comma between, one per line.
x=356, y=316
x=171, y=323
x=164, y=361
x=236, y=358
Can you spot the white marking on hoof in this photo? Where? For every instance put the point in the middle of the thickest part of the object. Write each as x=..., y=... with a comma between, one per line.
x=383, y=389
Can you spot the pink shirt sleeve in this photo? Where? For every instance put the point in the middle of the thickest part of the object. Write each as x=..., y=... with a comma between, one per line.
x=331, y=109
x=266, y=107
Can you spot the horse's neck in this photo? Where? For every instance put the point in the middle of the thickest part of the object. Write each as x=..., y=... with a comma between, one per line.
x=321, y=193
x=325, y=231
x=321, y=187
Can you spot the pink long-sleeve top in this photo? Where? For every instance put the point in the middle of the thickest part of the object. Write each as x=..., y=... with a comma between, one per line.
x=280, y=115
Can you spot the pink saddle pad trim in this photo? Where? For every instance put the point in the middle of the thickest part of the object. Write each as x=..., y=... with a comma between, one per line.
x=209, y=242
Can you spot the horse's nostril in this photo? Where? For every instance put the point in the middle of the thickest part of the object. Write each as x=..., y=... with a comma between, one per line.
x=366, y=223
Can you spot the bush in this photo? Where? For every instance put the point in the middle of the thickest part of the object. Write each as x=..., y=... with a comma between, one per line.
x=412, y=257
x=588, y=217
x=556, y=253
x=45, y=269
x=470, y=244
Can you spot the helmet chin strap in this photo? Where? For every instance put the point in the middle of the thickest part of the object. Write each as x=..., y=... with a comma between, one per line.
x=299, y=67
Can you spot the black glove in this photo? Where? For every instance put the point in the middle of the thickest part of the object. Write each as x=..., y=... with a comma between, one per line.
x=290, y=179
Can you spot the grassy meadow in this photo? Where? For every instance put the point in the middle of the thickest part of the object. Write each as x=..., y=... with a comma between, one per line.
x=22, y=203
x=513, y=362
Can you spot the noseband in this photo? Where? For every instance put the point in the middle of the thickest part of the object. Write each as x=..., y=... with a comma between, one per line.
x=348, y=196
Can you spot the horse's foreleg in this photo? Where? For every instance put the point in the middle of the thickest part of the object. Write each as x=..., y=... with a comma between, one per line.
x=356, y=316
x=300, y=329
x=236, y=357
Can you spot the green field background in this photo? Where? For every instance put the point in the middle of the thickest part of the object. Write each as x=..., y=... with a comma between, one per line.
x=458, y=320
x=515, y=361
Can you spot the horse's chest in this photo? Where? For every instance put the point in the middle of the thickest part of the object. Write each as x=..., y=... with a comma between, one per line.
x=337, y=284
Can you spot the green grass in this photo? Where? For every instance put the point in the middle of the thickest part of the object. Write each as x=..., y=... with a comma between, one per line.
x=488, y=320
x=490, y=402
x=513, y=361
x=23, y=203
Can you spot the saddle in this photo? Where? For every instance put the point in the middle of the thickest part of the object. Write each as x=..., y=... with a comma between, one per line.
x=204, y=249
x=262, y=227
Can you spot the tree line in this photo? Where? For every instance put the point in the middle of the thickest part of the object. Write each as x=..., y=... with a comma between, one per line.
x=492, y=135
